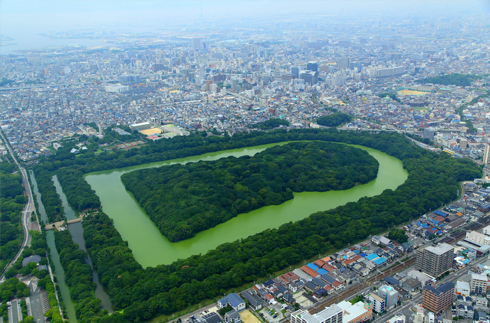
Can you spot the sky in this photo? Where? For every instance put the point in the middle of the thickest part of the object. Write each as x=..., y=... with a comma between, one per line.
x=21, y=18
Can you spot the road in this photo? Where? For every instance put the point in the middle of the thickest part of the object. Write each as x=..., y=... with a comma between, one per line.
x=35, y=304
x=26, y=213
x=15, y=312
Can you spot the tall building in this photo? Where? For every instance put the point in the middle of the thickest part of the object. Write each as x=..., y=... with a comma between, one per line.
x=478, y=284
x=390, y=295
x=332, y=314
x=309, y=77
x=434, y=261
x=344, y=62
x=312, y=66
x=295, y=71
x=429, y=133
x=196, y=43
x=486, y=154
x=437, y=299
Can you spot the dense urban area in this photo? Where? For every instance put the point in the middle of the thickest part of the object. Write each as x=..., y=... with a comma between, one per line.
x=398, y=110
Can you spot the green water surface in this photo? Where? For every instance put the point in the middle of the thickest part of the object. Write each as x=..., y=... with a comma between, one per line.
x=151, y=248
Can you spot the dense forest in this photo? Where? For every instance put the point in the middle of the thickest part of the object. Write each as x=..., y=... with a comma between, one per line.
x=451, y=79
x=334, y=119
x=12, y=201
x=78, y=277
x=49, y=197
x=183, y=200
x=145, y=293
x=270, y=124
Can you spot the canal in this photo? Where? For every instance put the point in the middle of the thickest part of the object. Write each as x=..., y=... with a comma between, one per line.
x=76, y=231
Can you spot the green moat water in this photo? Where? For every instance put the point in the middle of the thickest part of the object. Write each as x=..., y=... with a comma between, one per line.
x=151, y=248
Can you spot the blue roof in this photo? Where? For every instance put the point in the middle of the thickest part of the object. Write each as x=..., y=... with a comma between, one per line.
x=425, y=225
x=444, y=214
x=322, y=271
x=342, y=269
x=465, y=261
x=391, y=280
x=356, y=252
x=313, y=266
x=233, y=299
x=372, y=256
x=379, y=261
x=363, y=254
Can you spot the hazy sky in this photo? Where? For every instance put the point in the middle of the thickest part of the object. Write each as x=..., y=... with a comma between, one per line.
x=48, y=15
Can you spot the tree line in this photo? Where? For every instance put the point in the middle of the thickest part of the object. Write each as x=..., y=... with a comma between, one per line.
x=183, y=200
x=270, y=124
x=452, y=79
x=145, y=293
x=12, y=201
x=78, y=277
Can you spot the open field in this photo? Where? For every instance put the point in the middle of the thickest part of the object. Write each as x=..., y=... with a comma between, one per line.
x=410, y=92
x=248, y=317
x=152, y=131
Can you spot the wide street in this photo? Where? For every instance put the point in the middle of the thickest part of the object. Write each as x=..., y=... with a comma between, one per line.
x=26, y=213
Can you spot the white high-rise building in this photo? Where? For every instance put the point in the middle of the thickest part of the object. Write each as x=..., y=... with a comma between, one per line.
x=486, y=154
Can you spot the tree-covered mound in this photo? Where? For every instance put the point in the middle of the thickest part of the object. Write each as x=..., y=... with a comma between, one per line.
x=334, y=120
x=270, y=124
x=185, y=199
x=451, y=79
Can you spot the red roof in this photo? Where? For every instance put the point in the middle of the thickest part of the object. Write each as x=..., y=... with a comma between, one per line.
x=319, y=262
x=328, y=268
x=336, y=284
x=328, y=288
x=439, y=218
x=268, y=297
x=309, y=271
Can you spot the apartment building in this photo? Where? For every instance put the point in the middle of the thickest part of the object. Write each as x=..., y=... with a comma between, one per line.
x=435, y=260
x=437, y=299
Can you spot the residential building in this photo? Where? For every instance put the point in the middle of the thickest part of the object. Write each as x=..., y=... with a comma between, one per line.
x=212, y=317
x=232, y=300
x=479, y=283
x=437, y=299
x=378, y=302
x=434, y=261
x=253, y=301
x=462, y=288
x=332, y=314
x=358, y=312
x=478, y=238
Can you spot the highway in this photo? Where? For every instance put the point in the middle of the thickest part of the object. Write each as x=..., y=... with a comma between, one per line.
x=26, y=213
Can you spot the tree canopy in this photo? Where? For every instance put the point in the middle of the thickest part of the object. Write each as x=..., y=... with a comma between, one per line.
x=270, y=124
x=334, y=119
x=451, y=79
x=183, y=200
x=145, y=293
